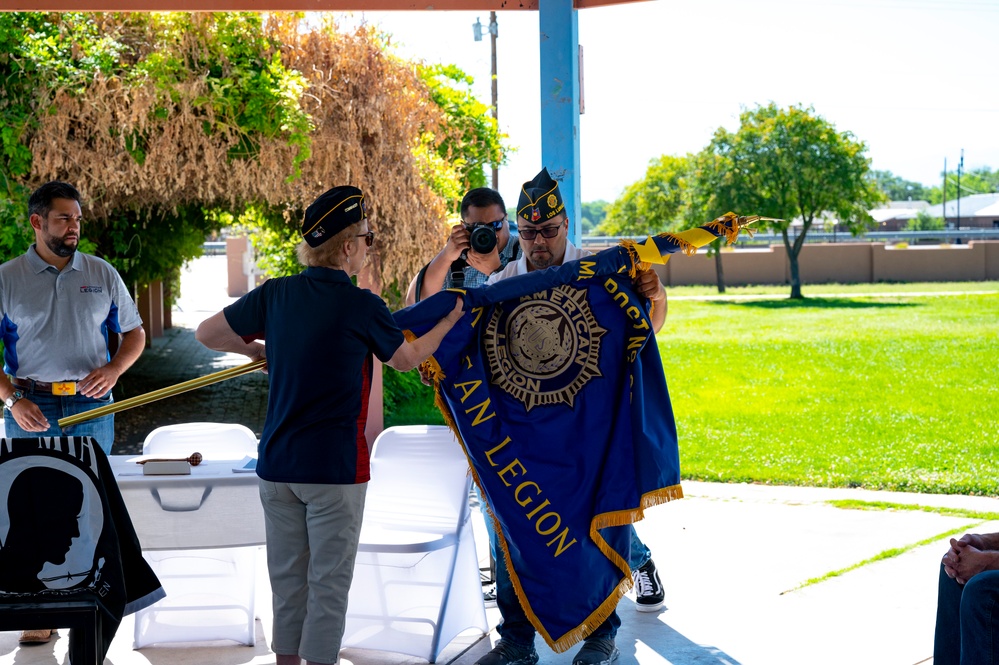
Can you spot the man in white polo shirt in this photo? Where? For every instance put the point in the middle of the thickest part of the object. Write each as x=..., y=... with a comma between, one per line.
x=59, y=307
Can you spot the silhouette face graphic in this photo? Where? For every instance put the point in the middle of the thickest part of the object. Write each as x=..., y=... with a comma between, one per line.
x=44, y=506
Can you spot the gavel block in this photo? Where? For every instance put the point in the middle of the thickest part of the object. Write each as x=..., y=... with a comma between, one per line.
x=166, y=468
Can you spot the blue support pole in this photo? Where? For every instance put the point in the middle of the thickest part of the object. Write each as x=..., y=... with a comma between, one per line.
x=559, y=30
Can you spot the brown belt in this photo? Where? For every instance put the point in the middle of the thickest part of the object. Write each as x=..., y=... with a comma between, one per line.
x=33, y=386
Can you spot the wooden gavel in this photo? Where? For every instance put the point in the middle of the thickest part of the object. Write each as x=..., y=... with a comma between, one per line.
x=193, y=460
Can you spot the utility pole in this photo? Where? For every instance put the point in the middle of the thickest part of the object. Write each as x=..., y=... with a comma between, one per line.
x=945, y=192
x=493, y=33
x=960, y=167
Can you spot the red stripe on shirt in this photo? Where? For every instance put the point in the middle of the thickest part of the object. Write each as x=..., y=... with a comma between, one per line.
x=362, y=465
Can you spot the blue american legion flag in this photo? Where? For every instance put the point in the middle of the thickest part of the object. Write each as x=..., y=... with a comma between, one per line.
x=557, y=393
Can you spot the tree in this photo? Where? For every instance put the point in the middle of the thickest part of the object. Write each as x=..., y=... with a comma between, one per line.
x=653, y=204
x=924, y=222
x=594, y=212
x=702, y=184
x=899, y=189
x=475, y=140
x=791, y=164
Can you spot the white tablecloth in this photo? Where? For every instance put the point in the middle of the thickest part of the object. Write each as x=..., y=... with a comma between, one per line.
x=211, y=508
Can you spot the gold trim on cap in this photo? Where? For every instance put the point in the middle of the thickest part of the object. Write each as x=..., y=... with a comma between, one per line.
x=318, y=221
x=535, y=201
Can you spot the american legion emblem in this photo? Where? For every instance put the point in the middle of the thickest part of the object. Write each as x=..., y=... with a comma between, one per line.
x=546, y=348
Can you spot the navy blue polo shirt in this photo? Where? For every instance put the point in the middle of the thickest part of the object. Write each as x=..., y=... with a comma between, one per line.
x=320, y=332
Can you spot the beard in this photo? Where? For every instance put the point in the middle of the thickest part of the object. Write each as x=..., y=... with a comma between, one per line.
x=60, y=246
x=542, y=260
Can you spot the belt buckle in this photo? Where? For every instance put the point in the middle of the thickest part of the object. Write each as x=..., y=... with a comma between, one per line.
x=64, y=388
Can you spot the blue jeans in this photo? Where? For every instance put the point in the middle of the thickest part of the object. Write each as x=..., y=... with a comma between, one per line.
x=967, y=630
x=640, y=554
x=61, y=406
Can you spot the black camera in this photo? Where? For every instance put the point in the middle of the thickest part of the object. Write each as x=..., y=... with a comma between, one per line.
x=482, y=239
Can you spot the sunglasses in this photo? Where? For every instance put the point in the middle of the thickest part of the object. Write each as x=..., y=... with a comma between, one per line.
x=545, y=231
x=497, y=225
x=369, y=238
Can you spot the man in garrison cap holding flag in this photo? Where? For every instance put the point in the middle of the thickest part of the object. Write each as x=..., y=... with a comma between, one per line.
x=544, y=227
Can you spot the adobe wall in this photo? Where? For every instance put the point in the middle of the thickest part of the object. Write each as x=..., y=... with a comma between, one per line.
x=944, y=263
x=843, y=263
x=991, y=260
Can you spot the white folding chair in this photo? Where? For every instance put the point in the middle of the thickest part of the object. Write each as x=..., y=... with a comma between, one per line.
x=215, y=441
x=416, y=579
x=210, y=591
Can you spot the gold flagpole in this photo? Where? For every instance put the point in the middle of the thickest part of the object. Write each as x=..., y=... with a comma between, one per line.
x=162, y=393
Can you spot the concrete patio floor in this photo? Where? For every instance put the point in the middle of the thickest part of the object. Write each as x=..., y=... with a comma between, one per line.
x=731, y=558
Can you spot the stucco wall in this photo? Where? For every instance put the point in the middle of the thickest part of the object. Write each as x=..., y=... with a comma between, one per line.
x=946, y=263
x=844, y=263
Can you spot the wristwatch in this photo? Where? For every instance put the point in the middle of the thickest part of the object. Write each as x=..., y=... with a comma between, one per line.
x=13, y=399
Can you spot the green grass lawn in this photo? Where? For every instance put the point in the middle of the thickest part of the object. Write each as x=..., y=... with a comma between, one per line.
x=896, y=392
x=893, y=392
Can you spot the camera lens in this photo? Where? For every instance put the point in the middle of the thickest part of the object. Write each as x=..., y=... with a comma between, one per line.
x=482, y=239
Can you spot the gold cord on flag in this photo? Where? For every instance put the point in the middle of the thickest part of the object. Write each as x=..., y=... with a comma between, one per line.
x=162, y=393
x=728, y=226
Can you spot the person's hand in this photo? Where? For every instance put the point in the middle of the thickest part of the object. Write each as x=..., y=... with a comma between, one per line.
x=259, y=352
x=456, y=243
x=973, y=539
x=459, y=309
x=487, y=264
x=648, y=285
x=98, y=382
x=425, y=375
x=965, y=558
x=28, y=416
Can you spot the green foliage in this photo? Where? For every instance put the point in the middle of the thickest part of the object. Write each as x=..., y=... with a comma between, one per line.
x=274, y=240
x=924, y=222
x=898, y=189
x=977, y=181
x=655, y=204
x=145, y=247
x=407, y=401
x=16, y=234
x=250, y=86
x=474, y=141
x=792, y=164
x=593, y=214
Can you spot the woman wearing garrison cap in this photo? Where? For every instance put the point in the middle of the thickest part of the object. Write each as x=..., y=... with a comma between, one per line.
x=321, y=332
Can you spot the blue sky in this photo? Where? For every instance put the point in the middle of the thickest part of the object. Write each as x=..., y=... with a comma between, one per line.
x=914, y=79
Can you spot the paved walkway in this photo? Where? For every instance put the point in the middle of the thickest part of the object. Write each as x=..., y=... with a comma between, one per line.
x=733, y=558
x=177, y=357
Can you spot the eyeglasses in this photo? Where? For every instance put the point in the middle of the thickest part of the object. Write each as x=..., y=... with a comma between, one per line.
x=545, y=231
x=369, y=238
x=497, y=225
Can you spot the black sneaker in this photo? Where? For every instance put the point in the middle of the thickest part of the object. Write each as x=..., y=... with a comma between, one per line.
x=649, y=595
x=597, y=652
x=508, y=653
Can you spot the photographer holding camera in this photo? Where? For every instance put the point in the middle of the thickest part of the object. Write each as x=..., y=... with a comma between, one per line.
x=483, y=243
